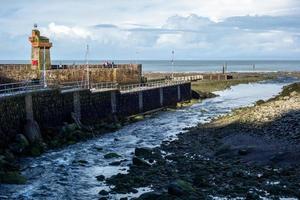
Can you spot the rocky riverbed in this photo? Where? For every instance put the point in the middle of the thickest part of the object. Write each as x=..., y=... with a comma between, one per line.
x=252, y=153
x=84, y=170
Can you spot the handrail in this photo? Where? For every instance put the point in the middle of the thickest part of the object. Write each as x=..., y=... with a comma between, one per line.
x=26, y=86
x=151, y=85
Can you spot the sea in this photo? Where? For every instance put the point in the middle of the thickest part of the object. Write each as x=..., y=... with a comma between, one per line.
x=193, y=65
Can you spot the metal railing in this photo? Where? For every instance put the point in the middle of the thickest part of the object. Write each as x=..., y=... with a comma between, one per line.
x=27, y=86
x=189, y=78
x=20, y=87
x=145, y=86
x=104, y=86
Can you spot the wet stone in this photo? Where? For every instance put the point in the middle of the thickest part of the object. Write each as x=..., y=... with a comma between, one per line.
x=143, y=152
x=116, y=163
x=103, y=193
x=100, y=178
x=111, y=155
x=139, y=162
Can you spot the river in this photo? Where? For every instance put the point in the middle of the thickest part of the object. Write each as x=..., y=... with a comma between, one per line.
x=57, y=174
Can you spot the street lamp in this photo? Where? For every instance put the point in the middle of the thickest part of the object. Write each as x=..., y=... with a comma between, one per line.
x=172, y=64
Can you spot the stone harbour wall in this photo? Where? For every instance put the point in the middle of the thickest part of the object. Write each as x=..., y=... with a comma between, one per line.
x=52, y=108
x=123, y=74
x=10, y=73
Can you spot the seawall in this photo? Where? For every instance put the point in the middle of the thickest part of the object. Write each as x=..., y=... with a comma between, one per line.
x=123, y=73
x=51, y=108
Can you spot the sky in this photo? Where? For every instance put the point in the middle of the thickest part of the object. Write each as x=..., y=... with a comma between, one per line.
x=152, y=29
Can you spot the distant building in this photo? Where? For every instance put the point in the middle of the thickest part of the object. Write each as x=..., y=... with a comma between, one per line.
x=40, y=50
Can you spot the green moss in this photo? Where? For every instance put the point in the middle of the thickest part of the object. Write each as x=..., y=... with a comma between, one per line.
x=111, y=155
x=287, y=90
x=12, y=178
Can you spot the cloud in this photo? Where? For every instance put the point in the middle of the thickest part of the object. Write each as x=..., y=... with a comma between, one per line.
x=197, y=29
x=62, y=31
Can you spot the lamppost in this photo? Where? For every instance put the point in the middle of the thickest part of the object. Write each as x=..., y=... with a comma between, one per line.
x=44, y=68
x=172, y=64
x=87, y=67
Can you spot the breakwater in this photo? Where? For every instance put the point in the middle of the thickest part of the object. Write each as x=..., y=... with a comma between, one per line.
x=54, y=107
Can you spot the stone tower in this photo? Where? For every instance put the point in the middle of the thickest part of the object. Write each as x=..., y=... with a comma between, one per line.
x=40, y=45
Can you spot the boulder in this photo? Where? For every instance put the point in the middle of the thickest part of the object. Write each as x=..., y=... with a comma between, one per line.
x=116, y=163
x=180, y=187
x=143, y=152
x=139, y=162
x=32, y=131
x=100, y=178
x=150, y=196
x=22, y=140
x=21, y=143
x=12, y=178
x=111, y=155
x=103, y=193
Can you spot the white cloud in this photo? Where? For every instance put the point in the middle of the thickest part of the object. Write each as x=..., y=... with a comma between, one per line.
x=61, y=31
x=214, y=28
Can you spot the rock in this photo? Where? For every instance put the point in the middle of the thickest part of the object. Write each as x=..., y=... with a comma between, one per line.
x=116, y=163
x=21, y=143
x=103, y=193
x=22, y=140
x=251, y=195
x=124, y=198
x=243, y=152
x=137, y=118
x=111, y=155
x=174, y=189
x=139, y=162
x=180, y=187
x=70, y=128
x=103, y=198
x=98, y=148
x=82, y=161
x=12, y=178
x=32, y=132
x=9, y=156
x=100, y=178
x=36, y=149
x=134, y=191
x=259, y=102
x=150, y=196
x=143, y=152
